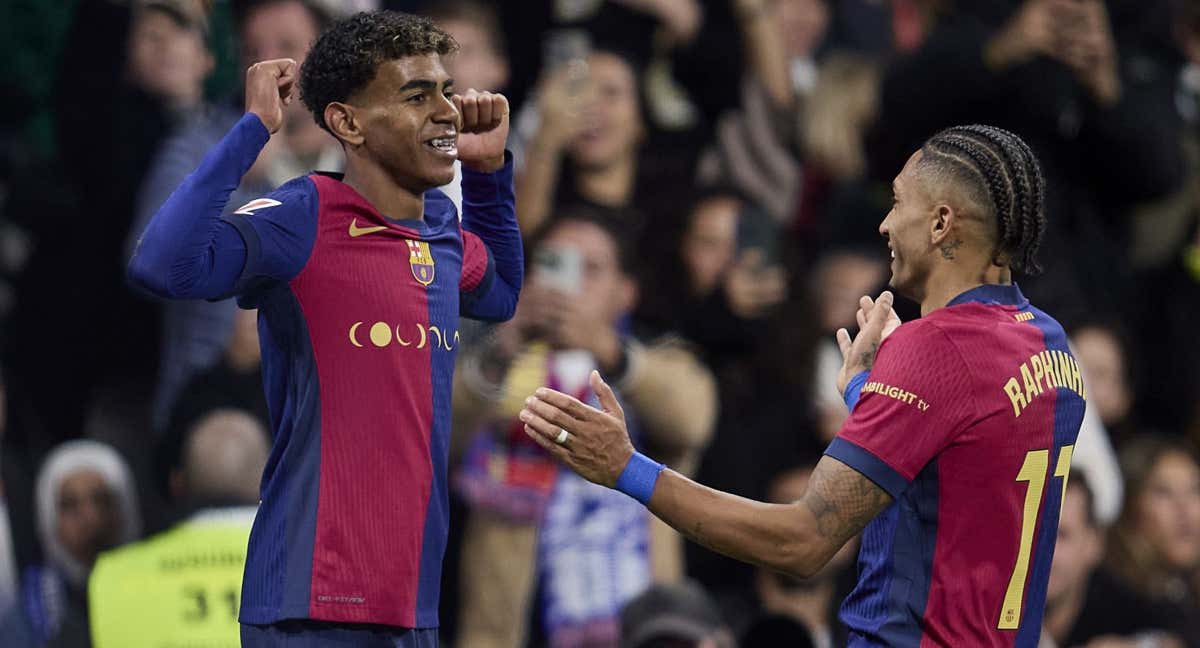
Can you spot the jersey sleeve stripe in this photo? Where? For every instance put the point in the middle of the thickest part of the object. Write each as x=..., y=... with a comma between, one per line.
x=253, y=245
x=869, y=465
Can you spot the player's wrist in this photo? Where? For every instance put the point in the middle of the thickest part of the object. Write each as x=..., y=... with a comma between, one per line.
x=486, y=165
x=854, y=389
x=639, y=477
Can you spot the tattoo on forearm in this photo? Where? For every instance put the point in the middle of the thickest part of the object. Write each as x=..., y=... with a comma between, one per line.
x=949, y=248
x=842, y=500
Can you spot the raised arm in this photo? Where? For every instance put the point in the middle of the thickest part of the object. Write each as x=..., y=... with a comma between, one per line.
x=493, y=261
x=187, y=249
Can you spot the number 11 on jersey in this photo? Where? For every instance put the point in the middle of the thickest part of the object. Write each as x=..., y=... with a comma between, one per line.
x=1033, y=472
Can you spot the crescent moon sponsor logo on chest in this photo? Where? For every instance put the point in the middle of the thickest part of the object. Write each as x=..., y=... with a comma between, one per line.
x=417, y=336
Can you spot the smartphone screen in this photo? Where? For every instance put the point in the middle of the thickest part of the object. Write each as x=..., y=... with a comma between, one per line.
x=560, y=268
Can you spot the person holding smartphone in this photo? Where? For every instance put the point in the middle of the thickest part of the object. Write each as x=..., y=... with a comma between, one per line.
x=532, y=523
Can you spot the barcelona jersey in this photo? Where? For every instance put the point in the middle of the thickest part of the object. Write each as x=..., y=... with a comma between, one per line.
x=359, y=326
x=968, y=419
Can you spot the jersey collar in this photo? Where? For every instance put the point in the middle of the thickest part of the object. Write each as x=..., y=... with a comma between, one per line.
x=993, y=294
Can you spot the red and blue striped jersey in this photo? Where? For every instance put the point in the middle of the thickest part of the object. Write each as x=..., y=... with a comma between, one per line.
x=358, y=352
x=358, y=324
x=968, y=419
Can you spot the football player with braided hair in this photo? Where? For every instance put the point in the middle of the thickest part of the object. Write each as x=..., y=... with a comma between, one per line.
x=955, y=457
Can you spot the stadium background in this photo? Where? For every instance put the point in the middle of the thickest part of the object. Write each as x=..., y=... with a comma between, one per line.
x=739, y=155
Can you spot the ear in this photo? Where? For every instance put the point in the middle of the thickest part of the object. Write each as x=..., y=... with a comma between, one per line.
x=943, y=221
x=344, y=122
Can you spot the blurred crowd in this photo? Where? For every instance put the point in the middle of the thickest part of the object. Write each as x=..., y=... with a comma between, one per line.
x=700, y=184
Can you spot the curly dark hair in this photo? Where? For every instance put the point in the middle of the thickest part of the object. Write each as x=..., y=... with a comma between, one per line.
x=346, y=56
x=998, y=167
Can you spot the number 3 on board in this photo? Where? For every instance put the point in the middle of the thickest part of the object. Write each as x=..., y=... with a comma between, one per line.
x=1032, y=471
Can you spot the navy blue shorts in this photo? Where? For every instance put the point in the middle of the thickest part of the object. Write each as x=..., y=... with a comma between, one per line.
x=303, y=633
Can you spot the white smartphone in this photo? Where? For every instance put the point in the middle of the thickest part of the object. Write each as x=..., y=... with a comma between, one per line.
x=559, y=267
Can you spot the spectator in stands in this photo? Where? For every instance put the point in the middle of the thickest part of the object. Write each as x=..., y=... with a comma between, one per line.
x=86, y=503
x=674, y=616
x=757, y=146
x=730, y=276
x=531, y=524
x=813, y=602
x=585, y=149
x=134, y=591
x=195, y=333
x=839, y=280
x=111, y=114
x=1084, y=603
x=168, y=56
x=1102, y=360
x=480, y=62
x=1088, y=87
x=234, y=382
x=1155, y=545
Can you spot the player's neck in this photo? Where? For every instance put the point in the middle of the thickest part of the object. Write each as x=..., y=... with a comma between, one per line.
x=387, y=196
x=949, y=282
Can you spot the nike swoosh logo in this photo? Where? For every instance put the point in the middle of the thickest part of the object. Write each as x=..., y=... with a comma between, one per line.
x=355, y=230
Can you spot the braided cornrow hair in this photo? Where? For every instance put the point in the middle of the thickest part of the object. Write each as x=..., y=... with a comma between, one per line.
x=1002, y=171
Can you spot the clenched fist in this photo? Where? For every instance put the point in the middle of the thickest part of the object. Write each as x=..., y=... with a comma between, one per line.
x=269, y=87
x=483, y=130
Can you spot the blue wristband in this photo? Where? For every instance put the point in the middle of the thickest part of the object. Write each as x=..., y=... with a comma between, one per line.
x=639, y=477
x=854, y=389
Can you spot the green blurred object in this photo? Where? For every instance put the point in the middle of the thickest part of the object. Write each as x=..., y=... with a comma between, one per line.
x=226, y=79
x=31, y=39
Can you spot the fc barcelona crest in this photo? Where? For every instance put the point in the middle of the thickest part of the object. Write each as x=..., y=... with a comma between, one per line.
x=421, y=260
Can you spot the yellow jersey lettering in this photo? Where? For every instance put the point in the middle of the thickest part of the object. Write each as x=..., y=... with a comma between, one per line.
x=1043, y=372
x=1013, y=389
x=1031, y=388
x=1035, y=365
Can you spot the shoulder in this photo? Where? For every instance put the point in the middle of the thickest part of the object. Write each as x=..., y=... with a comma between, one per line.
x=298, y=193
x=918, y=335
x=926, y=346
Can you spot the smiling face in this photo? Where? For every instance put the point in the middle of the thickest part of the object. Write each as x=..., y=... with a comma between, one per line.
x=404, y=121
x=907, y=229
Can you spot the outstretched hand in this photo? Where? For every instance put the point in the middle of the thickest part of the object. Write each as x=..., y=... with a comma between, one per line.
x=483, y=129
x=876, y=320
x=270, y=85
x=597, y=444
